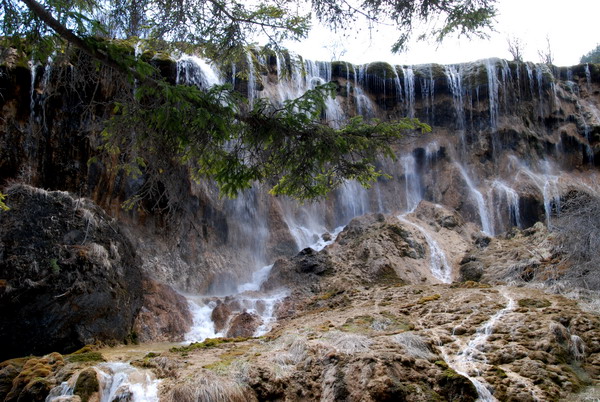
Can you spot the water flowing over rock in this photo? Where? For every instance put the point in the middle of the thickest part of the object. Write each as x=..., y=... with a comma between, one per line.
x=508, y=139
x=360, y=283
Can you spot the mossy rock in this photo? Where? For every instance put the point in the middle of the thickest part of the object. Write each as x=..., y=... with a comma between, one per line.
x=342, y=69
x=381, y=69
x=206, y=344
x=30, y=382
x=456, y=387
x=427, y=299
x=534, y=303
x=87, y=384
x=85, y=357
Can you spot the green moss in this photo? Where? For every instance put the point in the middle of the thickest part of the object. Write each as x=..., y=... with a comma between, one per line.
x=85, y=357
x=86, y=385
x=534, y=303
x=442, y=364
x=381, y=69
x=427, y=299
x=498, y=372
x=206, y=344
x=150, y=355
x=384, y=322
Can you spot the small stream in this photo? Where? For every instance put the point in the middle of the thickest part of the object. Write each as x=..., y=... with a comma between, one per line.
x=470, y=359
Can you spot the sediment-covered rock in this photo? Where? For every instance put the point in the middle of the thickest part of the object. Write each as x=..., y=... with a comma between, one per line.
x=164, y=315
x=69, y=275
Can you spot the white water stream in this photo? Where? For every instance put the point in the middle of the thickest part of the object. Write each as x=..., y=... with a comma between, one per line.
x=118, y=382
x=470, y=359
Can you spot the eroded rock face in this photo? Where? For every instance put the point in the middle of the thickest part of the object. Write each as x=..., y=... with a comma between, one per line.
x=70, y=277
x=379, y=248
x=164, y=316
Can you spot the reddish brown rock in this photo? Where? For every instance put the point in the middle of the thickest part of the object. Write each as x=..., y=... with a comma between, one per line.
x=243, y=325
x=165, y=315
x=220, y=316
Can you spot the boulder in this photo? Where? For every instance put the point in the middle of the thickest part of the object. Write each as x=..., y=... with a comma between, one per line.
x=220, y=316
x=243, y=325
x=70, y=276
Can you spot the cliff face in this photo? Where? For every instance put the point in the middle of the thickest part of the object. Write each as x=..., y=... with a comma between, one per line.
x=507, y=140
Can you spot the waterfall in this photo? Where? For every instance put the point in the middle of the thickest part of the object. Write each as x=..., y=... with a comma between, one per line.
x=122, y=381
x=479, y=200
x=510, y=198
x=493, y=89
x=118, y=382
x=252, y=92
x=409, y=90
x=398, y=85
x=539, y=73
x=412, y=185
x=193, y=70
x=427, y=93
x=547, y=183
x=438, y=263
x=353, y=201
x=454, y=77
x=588, y=77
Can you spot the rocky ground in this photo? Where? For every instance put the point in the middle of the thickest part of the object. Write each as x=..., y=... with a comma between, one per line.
x=376, y=342
x=365, y=321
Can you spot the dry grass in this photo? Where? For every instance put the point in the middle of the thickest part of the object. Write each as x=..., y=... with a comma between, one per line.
x=347, y=343
x=414, y=345
x=207, y=387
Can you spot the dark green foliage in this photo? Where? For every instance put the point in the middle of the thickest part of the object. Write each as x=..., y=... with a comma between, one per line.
x=593, y=56
x=288, y=147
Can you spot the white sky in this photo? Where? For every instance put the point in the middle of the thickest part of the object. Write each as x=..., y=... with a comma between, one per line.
x=572, y=26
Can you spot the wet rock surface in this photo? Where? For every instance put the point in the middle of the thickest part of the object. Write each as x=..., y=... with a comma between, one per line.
x=402, y=342
x=164, y=315
x=69, y=276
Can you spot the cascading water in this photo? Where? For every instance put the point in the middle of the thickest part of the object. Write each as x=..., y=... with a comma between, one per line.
x=438, y=263
x=476, y=195
x=469, y=361
x=547, y=183
x=193, y=70
x=502, y=194
x=412, y=185
x=454, y=77
x=409, y=90
x=118, y=382
x=427, y=93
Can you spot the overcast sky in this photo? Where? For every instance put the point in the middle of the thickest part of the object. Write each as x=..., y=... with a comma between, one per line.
x=573, y=28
